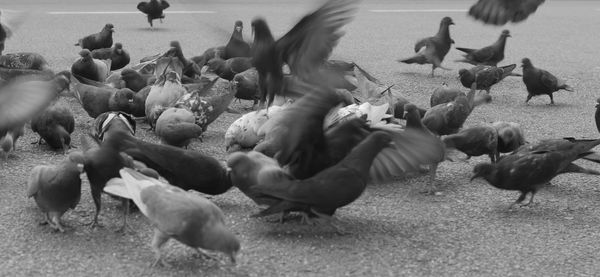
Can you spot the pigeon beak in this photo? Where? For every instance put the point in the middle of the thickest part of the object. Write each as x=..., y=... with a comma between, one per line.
x=80, y=168
x=130, y=100
x=238, y=29
x=404, y=114
x=204, y=70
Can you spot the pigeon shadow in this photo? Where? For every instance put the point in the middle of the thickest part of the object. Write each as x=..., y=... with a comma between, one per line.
x=148, y=29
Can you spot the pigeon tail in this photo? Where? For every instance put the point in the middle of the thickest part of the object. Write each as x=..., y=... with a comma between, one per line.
x=420, y=59
x=566, y=87
x=466, y=50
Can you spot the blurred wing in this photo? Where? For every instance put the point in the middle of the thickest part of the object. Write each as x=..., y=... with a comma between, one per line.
x=309, y=44
x=142, y=7
x=21, y=100
x=499, y=12
x=548, y=80
x=164, y=4
x=11, y=20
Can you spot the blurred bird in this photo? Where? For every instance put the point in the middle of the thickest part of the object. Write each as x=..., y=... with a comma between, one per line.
x=540, y=82
x=103, y=39
x=10, y=21
x=485, y=75
x=109, y=122
x=187, y=169
x=304, y=48
x=533, y=166
x=20, y=100
x=163, y=94
x=475, y=141
x=414, y=122
x=55, y=125
x=489, y=55
x=176, y=127
x=510, y=136
x=25, y=60
x=209, y=54
x=90, y=68
x=432, y=50
x=118, y=56
x=445, y=94
x=247, y=86
x=96, y=101
x=185, y=216
x=227, y=69
x=154, y=9
x=448, y=118
x=500, y=12
x=237, y=46
x=56, y=188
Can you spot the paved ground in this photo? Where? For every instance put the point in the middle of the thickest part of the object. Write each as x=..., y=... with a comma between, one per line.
x=466, y=230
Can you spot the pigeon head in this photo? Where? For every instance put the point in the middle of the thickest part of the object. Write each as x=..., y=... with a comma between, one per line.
x=526, y=63
x=85, y=54
x=410, y=110
x=261, y=30
x=462, y=72
x=172, y=76
x=6, y=142
x=225, y=242
x=484, y=171
x=175, y=44
x=505, y=33
x=77, y=158
x=62, y=80
x=239, y=26
x=109, y=27
x=118, y=47
x=128, y=73
x=447, y=21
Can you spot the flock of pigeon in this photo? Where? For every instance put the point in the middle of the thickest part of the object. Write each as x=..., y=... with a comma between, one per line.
x=354, y=129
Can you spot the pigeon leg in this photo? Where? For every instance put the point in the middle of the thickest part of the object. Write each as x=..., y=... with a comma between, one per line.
x=203, y=254
x=528, y=98
x=125, y=226
x=46, y=219
x=158, y=240
x=530, y=200
x=150, y=21
x=329, y=220
x=56, y=223
x=96, y=196
x=551, y=99
x=519, y=200
x=432, y=175
x=432, y=69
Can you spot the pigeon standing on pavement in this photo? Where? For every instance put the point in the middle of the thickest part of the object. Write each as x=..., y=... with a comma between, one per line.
x=304, y=48
x=103, y=39
x=118, y=56
x=432, y=50
x=56, y=188
x=485, y=75
x=489, y=55
x=154, y=9
x=237, y=46
x=533, y=166
x=540, y=82
x=89, y=68
x=500, y=12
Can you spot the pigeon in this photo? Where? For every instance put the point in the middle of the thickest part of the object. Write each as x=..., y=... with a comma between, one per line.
x=329, y=189
x=55, y=125
x=448, y=118
x=109, y=122
x=185, y=216
x=540, y=82
x=243, y=132
x=208, y=108
x=415, y=123
x=533, y=166
x=163, y=94
x=475, y=141
x=485, y=75
x=175, y=126
x=432, y=50
x=25, y=60
x=209, y=54
x=489, y=55
x=227, y=69
x=136, y=81
x=510, y=136
x=187, y=169
x=154, y=9
x=96, y=101
x=444, y=94
x=118, y=56
x=102, y=163
x=500, y=12
x=304, y=48
x=90, y=68
x=237, y=46
x=56, y=188
x=247, y=86
x=20, y=100
x=10, y=21
x=190, y=68
x=103, y=39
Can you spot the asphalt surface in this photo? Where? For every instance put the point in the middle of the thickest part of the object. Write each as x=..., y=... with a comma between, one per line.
x=395, y=230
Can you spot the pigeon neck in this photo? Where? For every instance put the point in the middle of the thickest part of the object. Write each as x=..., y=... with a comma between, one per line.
x=501, y=43
x=237, y=35
x=444, y=31
x=413, y=121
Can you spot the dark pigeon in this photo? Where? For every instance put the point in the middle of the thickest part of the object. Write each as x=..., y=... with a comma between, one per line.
x=540, y=82
x=475, y=141
x=448, y=118
x=489, y=55
x=90, y=68
x=510, y=136
x=237, y=46
x=533, y=166
x=55, y=125
x=485, y=75
x=500, y=12
x=154, y=9
x=227, y=69
x=432, y=50
x=103, y=39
